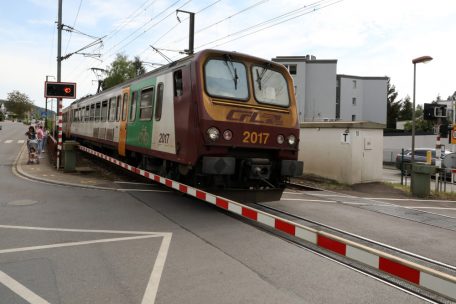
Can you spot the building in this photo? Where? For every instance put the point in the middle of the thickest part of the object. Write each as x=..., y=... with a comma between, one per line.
x=361, y=98
x=322, y=95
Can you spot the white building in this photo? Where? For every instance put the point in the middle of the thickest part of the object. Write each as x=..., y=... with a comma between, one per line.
x=361, y=98
x=322, y=95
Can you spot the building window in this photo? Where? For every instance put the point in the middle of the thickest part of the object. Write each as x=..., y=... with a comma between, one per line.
x=354, y=84
x=353, y=117
x=292, y=68
x=354, y=101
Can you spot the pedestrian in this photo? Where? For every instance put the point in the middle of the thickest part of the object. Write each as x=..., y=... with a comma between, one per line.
x=39, y=137
x=31, y=134
x=44, y=144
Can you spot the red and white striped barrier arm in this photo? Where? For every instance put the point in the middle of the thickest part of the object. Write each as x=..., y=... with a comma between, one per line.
x=431, y=279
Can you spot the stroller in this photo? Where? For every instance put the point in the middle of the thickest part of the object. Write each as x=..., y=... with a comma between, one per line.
x=32, y=145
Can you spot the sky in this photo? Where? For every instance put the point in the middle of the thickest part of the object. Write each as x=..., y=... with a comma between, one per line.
x=368, y=38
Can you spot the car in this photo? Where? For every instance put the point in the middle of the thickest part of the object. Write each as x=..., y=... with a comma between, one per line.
x=420, y=156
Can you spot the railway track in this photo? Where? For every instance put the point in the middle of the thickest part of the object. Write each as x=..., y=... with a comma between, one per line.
x=388, y=279
x=290, y=227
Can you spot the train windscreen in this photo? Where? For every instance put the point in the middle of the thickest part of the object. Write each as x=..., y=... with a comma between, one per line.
x=270, y=87
x=226, y=79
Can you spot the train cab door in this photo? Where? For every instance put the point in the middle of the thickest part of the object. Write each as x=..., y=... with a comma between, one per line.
x=123, y=121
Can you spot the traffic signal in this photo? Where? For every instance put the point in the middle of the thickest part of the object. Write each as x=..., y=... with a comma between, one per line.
x=60, y=89
x=432, y=111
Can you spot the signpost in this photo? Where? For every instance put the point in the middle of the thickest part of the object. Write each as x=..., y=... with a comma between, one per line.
x=59, y=90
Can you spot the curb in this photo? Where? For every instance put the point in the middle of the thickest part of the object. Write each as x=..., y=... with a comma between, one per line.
x=411, y=272
x=17, y=169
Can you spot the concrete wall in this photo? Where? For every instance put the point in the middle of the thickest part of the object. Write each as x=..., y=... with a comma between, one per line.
x=351, y=159
x=394, y=144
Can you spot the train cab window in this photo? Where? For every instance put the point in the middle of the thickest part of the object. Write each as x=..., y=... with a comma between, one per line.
x=133, y=106
x=159, y=104
x=124, y=106
x=226, y=78
x=178, y=84
x=112, y=109
x=92, y=112
x=87, y=113
x=98, y=111
x=104, y=110
x=146, y=104
x=119, y=99
x=270, y=87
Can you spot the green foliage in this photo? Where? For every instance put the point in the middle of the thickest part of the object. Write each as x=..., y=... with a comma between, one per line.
x=121, y=70
x=406, y=110
x=2, y=116
x=392, y=106
x=420, y=124
x=18, y=103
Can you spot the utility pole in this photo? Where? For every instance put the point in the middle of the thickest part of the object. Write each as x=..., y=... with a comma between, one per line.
x=191, y=33
x=59, y=76
x=46, y=106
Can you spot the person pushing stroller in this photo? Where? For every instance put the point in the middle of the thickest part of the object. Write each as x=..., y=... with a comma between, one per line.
x=32, y=146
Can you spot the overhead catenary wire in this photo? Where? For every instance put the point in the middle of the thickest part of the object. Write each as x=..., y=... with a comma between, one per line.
x=74, y=24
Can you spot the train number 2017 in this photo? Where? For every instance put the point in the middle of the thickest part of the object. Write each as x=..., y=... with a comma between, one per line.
x=163, y=139
x=255, y=137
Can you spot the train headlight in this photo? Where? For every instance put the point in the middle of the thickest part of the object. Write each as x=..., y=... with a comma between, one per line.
x=280, y=139
x=213, y=133
x=292, y=140
x=227, y=135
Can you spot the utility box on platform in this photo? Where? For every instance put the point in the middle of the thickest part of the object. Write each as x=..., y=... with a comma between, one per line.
x=69, y=155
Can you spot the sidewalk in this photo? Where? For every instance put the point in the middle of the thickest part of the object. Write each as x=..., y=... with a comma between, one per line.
x=46, y=172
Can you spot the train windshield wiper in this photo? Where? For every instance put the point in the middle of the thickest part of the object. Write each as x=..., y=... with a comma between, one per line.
x=232, y=70
x=260, y=77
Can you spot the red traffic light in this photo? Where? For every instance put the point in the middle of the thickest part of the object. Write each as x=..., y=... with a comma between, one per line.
x=60, y=90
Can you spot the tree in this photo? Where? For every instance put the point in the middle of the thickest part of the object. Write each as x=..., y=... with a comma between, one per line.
x=420, y=123
x=121, y=70
x=2, y=116
x=392, y=106
x=18, y=103
x=138, y=65
x=406, y=110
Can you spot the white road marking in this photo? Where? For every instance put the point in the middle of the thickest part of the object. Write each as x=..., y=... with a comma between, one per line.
x=307, y=200
x=133, y=183
x=141, y=190
x=69, y=244
x=21, y=290
x=438, y=208
x=409, y=199
x=8, y=141
x=20, y=141
x=152, y=286
x=150, y=293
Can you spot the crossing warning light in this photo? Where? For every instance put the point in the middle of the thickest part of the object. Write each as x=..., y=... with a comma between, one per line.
x=60, y=89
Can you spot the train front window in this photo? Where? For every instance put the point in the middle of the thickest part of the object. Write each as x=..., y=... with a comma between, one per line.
x=270, y=87
x=226, y=79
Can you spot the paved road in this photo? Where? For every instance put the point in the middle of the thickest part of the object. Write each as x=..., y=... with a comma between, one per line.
x=61, y=244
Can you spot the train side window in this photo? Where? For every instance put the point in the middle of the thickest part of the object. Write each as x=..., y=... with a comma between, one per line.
x=133, y=106
x=87, y=113
x=92, y=112
x=98, y=111
x=159, y=104
x=104, y=110
x=112, y=109
x=178, y=84
x=124, y=106
x=146, y=104
x=118, y=108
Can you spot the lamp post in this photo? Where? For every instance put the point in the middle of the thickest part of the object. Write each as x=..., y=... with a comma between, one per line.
x=421, y=59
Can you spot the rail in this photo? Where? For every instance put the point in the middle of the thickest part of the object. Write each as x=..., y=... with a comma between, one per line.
x=410, y=272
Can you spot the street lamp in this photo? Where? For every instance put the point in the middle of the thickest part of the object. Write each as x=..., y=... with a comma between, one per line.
x=422, y=59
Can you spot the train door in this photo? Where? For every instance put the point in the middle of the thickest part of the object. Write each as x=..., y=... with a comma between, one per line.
x=123, y=121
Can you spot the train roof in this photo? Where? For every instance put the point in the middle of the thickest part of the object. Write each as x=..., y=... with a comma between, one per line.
x=196, y=55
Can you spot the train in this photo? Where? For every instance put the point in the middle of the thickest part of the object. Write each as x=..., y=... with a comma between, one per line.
x=214, y=119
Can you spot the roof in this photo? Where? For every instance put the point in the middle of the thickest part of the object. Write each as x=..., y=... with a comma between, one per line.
x=362, y=77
